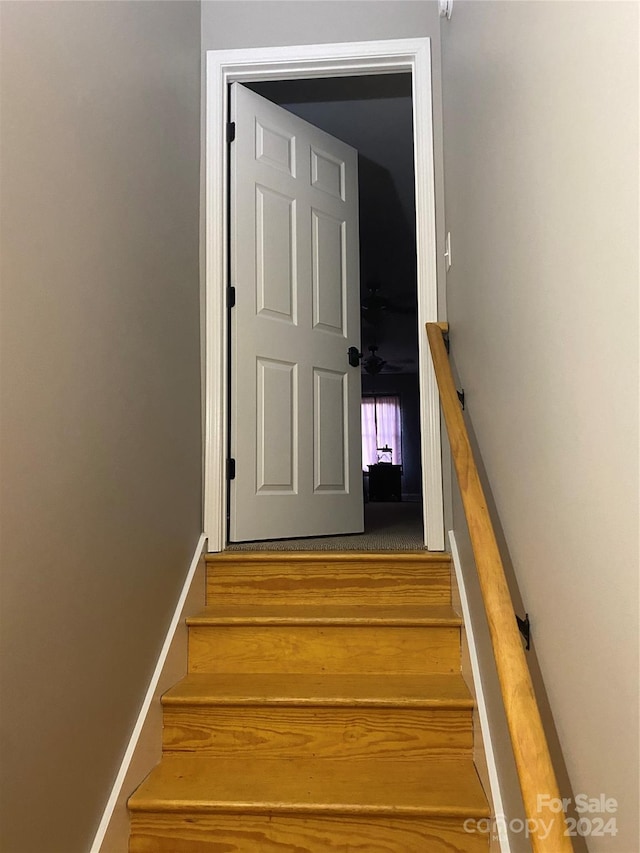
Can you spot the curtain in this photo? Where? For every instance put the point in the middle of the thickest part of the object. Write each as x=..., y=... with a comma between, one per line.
x=381, y=428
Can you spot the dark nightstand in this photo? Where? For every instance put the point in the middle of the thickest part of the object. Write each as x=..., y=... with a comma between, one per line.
x=385, y=482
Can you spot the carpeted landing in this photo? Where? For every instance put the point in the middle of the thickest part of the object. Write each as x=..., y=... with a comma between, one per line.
x=387, y=527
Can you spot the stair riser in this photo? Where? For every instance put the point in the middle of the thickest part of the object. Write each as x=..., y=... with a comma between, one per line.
x=331, y=562
x=247, y=833
x=324, y=584
x=321, y=649
x=337, y=733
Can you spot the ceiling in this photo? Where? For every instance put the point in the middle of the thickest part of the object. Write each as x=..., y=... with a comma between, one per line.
x=374, y=115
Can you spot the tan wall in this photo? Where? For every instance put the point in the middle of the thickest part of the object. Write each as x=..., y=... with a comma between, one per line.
x=101, y=474
x=541, y=172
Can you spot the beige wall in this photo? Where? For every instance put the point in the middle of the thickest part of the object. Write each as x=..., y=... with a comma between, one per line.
x=101, y=475
x=541, y=172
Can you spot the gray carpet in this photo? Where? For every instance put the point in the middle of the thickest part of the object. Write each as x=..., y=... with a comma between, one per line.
x=387, y=526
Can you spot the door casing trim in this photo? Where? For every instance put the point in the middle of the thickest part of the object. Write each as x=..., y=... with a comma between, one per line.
x=320, y=60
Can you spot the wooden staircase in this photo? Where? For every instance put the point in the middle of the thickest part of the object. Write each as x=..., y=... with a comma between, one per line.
x=323, y=711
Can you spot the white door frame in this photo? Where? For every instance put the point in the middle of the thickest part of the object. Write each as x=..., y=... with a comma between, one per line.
x=321, y=60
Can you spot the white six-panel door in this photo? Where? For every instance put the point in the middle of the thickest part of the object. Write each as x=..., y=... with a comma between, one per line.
x=295, y=400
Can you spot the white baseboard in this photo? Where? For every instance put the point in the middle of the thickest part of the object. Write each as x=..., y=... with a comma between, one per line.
x=146, y=704
x=494, y=780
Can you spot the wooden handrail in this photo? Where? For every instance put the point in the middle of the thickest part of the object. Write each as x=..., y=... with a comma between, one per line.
x=538, y=783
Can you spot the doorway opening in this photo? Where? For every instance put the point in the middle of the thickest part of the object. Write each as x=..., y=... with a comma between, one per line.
x=374, y=115
x=406, y=56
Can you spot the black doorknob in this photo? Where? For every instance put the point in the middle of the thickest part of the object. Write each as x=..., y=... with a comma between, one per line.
x=354, y=356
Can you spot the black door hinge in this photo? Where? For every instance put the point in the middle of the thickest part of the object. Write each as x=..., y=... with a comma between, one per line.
x=231, y=469
x=231, y=131
x=525, y=629
x=461, y=397
x=231, y=297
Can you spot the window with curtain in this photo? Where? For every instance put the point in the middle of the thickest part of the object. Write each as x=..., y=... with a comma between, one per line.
x=381, y=427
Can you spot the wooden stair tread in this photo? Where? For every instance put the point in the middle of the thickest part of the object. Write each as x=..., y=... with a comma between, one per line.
x=428, y=691
x=184, y=782
x=330, y=557
x=329, y=614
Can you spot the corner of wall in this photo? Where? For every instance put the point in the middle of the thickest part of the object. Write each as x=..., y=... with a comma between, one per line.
x=492, y=751
x=145, y=745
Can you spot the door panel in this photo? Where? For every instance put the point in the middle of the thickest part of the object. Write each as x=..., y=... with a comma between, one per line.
x=277, y=414
x=328, y=273
x=331, y=424
x=275, y=254
x=327, y=173
x=295, y=402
